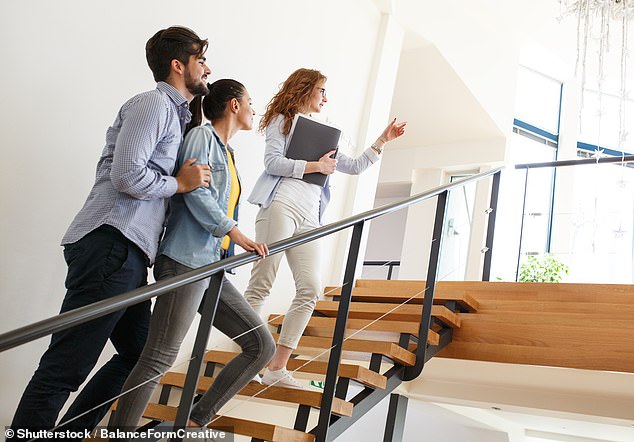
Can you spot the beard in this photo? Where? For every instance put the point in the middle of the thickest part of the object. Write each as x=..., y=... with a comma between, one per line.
x=196, y=86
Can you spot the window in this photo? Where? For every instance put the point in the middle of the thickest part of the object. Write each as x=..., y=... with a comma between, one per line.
x=457, y=231
x=523, y=223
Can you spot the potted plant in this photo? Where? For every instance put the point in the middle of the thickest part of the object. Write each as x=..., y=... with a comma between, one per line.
x=542, y=268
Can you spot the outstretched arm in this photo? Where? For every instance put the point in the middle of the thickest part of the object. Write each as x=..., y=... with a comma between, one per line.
x=391, y=132
x=355, y=166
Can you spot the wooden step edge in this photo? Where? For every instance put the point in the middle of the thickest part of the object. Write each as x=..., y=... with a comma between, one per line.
x=357, y=373
x=391, y=350
x=443, y=288
x=292, y=395
x=258, y=430
x=402, y=355
x=372, y=311
x=382, y=326
x=446, y=316
x=465, y=301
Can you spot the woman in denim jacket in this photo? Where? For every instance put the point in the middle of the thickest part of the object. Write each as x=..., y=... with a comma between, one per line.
x=201, y=229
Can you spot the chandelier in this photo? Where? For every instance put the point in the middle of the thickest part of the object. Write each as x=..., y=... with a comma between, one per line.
x=602, y=45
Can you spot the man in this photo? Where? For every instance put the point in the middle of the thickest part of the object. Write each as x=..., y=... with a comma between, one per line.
x=114, y=237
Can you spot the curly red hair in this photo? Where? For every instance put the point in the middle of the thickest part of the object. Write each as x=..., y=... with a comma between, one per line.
x=292, y=96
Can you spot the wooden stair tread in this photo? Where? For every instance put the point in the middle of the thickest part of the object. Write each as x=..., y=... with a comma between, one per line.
x=356, y=372
x=358, y=324
x=405, y=293
x=547, y=335
x=258, y=430
x=444, y=290
x=389, y=349
x=561, y=318
x=543, y=291
x=292, y=395
x=571, y=357
x=397, y=312
x=594, y=309
x=580, y=326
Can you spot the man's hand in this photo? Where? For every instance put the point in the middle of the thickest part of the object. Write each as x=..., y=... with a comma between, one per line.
x=246, y=243
x=192, y=176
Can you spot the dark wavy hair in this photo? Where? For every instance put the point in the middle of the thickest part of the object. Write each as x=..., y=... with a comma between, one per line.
x=213, y=105
x=292, y=96
x=173, y=43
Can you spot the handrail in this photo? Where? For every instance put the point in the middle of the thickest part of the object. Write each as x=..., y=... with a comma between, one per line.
x=86, y=313
x=390, y=266
x=555, y=164
x=561, y=163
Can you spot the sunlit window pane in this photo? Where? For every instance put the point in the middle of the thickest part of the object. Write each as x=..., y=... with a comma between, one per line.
x=600, y=121
x=537, y=100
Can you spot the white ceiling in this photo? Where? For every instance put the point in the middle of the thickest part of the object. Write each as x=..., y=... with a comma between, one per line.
x=438, y=106
x=582, y=403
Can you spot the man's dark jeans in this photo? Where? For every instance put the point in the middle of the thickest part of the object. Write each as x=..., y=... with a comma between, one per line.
x=100, y=265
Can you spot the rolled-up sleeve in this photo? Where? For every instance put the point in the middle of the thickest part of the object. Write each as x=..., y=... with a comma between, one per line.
x=275, y=162
x=139, y=135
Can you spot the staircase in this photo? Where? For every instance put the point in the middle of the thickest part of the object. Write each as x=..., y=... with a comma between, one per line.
x=381, y=338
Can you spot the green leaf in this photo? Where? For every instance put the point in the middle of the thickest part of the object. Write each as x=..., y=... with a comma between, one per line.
x=545, y=268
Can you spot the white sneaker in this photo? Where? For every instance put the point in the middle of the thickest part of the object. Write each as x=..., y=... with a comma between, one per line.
x=281, y=378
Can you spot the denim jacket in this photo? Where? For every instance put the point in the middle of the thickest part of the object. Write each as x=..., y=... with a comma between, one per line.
x=197, y=221
x=277, y=166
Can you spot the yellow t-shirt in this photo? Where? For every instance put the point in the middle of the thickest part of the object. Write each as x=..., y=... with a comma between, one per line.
x=234, y=194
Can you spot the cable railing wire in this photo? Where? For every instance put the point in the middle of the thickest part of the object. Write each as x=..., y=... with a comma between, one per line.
x=176, y=365
x=272, y=319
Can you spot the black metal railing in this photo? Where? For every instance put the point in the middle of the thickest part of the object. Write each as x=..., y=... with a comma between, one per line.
x=216, y=271
x=389, y=264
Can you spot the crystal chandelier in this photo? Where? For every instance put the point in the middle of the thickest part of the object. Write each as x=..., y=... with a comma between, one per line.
x=601, y=24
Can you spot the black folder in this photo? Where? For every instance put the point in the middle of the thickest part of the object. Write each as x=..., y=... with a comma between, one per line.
x=310, y=140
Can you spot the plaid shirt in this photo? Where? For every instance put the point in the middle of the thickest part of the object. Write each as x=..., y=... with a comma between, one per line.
x=133, y=180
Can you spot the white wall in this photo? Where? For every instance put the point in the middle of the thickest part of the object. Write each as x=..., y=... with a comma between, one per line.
x=479, y=40
x=69, y=65
x=385, y=240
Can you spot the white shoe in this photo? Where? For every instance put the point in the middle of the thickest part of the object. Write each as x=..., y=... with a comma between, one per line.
x=281, y=378
x=257, y=378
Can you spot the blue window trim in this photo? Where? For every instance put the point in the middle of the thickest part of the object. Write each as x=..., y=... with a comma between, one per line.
x=536, y=130
x=606, y=151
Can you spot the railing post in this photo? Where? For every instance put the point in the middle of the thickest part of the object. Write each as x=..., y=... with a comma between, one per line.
x=395, y=423
x=210, y=304
x=430, y=283
x=519, y=247
x=492, y=211
x=389, y=271
x=328, y=395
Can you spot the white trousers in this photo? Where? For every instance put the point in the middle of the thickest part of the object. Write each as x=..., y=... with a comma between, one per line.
x=276, y=222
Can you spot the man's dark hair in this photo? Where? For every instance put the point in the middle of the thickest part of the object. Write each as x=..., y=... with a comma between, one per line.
x=173, y=43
